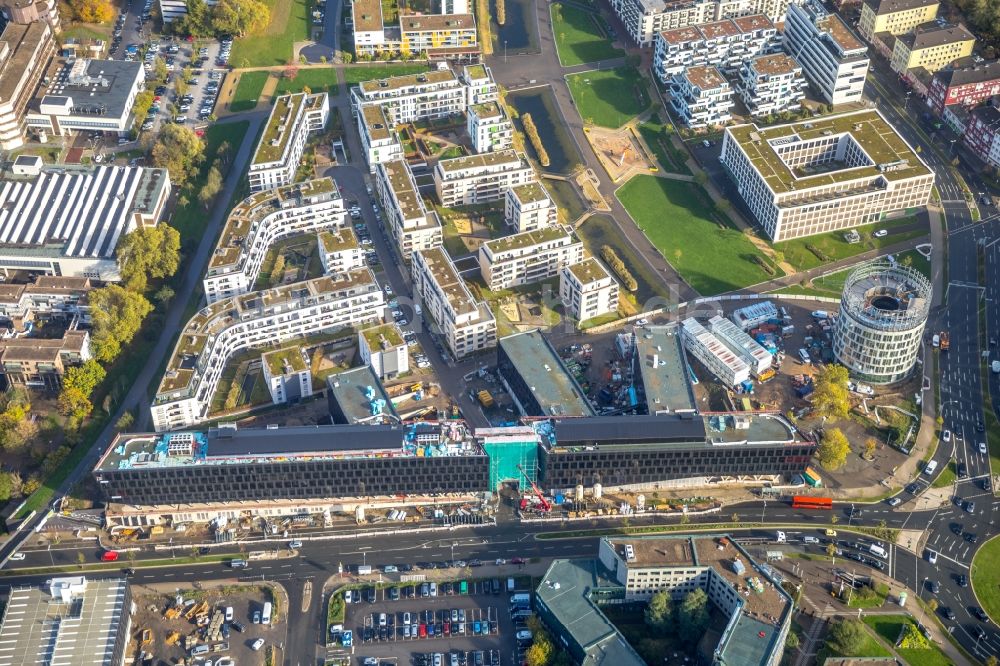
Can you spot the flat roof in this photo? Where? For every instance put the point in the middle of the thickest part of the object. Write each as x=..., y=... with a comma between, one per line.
x=775, y=63
x=882, y=144
x=601, y=431
x=338, y=240
x=278, y=130
x=475, y=72
x=531, y=238
x=546, y=375
x=404, y=189
x=705, y=77
x=24, y=42
x=284, y=361
x=838, y=31
x=507, y=157
x=726, y=28
x=379, y=336
x=588, y=271
x=662, y=369
x=76, y=212
x=883, y=7
x=350, y=388
x=436, y=22
x=409, y=81
x=448, y=281
x=530, y=192
x=933, y=34
x=486, y=110
x=97, y=88
x=367, y=15
x=376, y=123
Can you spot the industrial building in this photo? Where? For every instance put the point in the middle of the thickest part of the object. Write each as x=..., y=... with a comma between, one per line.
x=293, y=118
x=67, y=621
x=883, y=311
x=741, y=344
x=475, y=179
x=824, y=174
x=537, y=379
x=713, y=354
x=660, y=371
x=356, y=397
x=259, y=221
x=528, y=207
x=69, y=220
x=412, y=225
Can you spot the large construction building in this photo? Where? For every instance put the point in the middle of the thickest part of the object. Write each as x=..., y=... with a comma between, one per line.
x=824, y=174
x=537, y=379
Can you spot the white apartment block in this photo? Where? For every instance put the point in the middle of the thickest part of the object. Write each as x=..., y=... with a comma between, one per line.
x=259, y=221
x=489, y=128
x=25, y=52
x=412, y=226
x=725, y=44
x=528, y=257
x=771, y=84
x=383, y=349
x=467, y=326
x=643, y=19
x=464, y=181
x=833, y=59
x=254, y=321
x=339, y=251
x=448, y=33
x=701, y=97
x=713, y=354
x=587, y=290
x=279, y=152
x=825, y=174
x=377, y=136
x=528, y=207
x=287, y=374
x=479, y=85
x=413, y=97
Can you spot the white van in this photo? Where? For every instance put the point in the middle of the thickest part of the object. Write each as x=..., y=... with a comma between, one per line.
x=810, y=539
x=364, y=569
x=930, y=467
x=804, y=356
x=780, y=538
x=266, y=617
x=878, y=550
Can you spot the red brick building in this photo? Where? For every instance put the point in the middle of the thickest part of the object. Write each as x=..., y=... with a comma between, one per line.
x=964, y=82
x=982, y=133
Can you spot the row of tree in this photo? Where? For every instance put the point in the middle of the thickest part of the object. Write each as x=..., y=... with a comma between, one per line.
x=686, y=620
x=501, y=12
x=536, y=141
x=91, y=11
x=227, y=17
x=612, y=259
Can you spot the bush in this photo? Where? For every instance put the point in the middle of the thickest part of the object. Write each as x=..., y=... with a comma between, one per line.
x=766, y=267
x=618, y=266
x=536, y=141
x=501, y=12
x=822, y=256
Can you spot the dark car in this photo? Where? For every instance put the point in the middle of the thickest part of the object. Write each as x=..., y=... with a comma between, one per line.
x=969, y=507
x=979, y=613
x=405, y=567
x=963, y=471
x=971, y=537
x=934, y=586
x=913, y=488
x=237, y=625
x=370, y=594
x=963, y=580
x=979, y=426
x=947, y=613
x=987, y=486
x=956, y=528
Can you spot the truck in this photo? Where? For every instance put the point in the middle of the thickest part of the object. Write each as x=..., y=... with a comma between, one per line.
x=485, y=399
x=766, y=375
x=945, y=342
x=812, y=478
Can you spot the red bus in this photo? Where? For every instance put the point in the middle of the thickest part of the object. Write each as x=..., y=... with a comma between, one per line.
x=804, y=502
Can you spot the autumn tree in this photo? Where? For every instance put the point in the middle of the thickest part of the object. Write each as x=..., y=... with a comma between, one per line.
x=10, y=485
x=149, y=252
x=830, y=397
x=871, y=444
x=78, y=386
x=178, y=150
x=833, y=450
x=240, y=17
x=92, y=11
x=116, y=314
x=212, y=186
x=659, y=612
x=848, y=636
x=141, y=106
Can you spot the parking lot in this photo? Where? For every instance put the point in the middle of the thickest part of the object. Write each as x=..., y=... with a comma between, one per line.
x=435, y=624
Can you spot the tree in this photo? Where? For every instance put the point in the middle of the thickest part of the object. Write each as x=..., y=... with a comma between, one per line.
x=831, y=549
x=992, y=661
x=92, y=11
x=149, y=252
x=501, y=12
x=278, y=270
x=81, y=559
x=213, y=183
x=830, y=397
x=932, y=605
x=84, y=377
x=346, y=58
x=10, y=483
x=792, y=641
x=125, y=421
x=833, y=450
x=870, y=445
x=659, y=612
x=164, y=295
x=692, y=616
x=117, y=314
x=178, y=150
x=140, y=108
x=180, y=86
x=75, y=404
x=848, y=636
x=159, y=69
x=240, y=17
x=539, y=654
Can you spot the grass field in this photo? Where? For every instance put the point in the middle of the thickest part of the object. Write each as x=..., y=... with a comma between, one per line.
x=578, y=38
x=870, y=648
x=657, y=137
x=833, y=245
x=888, y=627
x=248, y=91
x=678, y=219
x=986, y=577
x=321, y=79
x=353, y=75
x=290, y=23
x=609, y=97
x=832, y=285
x=946, y=477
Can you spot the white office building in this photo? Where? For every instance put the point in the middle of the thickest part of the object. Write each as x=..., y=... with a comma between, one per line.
x=254, y=321
x=378, y=137
x=771, y=84
x=713, y=354
x=464, y=181
x=383, y=349
x=412, y=225
x=528, y=207
x=466, y=325
x=262, y=219
x=587, y=290
x=287, y=374
x=489, y=128
x=725, y=44
x=741, y=344
x=293, y=118
x=339, y=250
x=528, y=257
x=833, y=59
x=701, y=97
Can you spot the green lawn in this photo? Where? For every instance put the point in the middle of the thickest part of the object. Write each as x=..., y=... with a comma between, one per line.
x=889, y=628
x=679, y=220
x=832, y=285
x=833, y=245
x=609, y=97
x=290, y=22
x=870, y=648
x=321, y=79
x=986, y=577
x=248, y=91
x=946, y=477
x=359, y=73
x=657, y=137
x=600, y=230
x=578, y=38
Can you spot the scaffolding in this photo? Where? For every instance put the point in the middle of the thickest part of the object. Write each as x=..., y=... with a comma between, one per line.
x=510, y=449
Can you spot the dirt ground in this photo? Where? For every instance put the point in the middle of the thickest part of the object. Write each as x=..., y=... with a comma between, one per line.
x=618, y=152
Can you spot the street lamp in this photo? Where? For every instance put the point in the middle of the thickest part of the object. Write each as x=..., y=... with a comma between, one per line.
x=850, y=516
x=505, y=51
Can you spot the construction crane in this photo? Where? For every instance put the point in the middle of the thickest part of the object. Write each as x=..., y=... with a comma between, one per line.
x=543, y=503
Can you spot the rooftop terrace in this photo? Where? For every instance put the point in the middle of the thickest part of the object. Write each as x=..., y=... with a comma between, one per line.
x=278, y=130
x=588, y=271
x=376, y=123
x=538, y=364
x=387, y=333
x=285, y=361
x=528, y=239
x=509, y=158
x=486, y=110
x=449, y=281
x=399, y=83
x=339, y=240
x=404, y=189
x=530, y=192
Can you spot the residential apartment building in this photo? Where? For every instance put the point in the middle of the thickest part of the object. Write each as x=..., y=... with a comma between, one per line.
x=930, y=46
x=528, y=207
x=47, y=297
x=466, y=325
x=29, y=11
x=833, y=59
x=82, y=95
x=982, y=134
x=378, y=137
x=25, y=52
x=413, y=97
x=895, y=17
x=489, y=127
x=253, y=321
x=964, y=82
x=480, y=87
x=528, y=257
x=464, y=181
x=259, y=221
x=293, y=118
x=40, y=363
x=383, y=349
x=771, y=84
x=723, y=44
x=287, y=374
x=643, y=19
x=587, y=290
x=701, y=97
x=446, y=34
x=412, y=225
x=826, y=174
x=339, y=251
